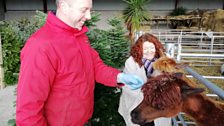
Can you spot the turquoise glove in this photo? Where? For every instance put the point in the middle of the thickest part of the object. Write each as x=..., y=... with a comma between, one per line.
x=133, y=81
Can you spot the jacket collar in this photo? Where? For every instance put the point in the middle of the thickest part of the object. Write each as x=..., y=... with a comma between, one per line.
x=60, y=26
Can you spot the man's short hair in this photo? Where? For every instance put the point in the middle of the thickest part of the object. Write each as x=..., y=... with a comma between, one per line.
x=68, y=1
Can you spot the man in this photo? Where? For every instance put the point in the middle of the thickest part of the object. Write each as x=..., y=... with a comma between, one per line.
x=59, y=69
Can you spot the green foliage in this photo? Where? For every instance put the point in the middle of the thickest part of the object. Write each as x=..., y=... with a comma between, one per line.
x=112, y=44
x=27, y=27
x=11, y=45
x=178, y=11
x=135, y=13
x=13, y=35
x=94, y=18
x=106, y=107
x=12, y=122
x=113, y=48
x=119, y=46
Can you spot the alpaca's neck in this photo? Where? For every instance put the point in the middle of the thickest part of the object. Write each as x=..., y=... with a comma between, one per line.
x=204, y=111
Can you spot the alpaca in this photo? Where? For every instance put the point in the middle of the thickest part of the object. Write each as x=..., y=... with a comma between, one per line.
x=170, y=92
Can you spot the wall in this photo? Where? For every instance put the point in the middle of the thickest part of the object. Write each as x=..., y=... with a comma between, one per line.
x=25, y=8
x=202, y=4
x=112, y=8
x=108, y=8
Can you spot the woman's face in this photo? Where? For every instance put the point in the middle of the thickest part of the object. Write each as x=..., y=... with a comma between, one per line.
x=149, y=50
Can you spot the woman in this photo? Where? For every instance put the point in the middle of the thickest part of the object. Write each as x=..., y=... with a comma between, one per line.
x=143, y=53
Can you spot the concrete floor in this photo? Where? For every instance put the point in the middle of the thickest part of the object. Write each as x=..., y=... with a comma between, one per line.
x=7, y=109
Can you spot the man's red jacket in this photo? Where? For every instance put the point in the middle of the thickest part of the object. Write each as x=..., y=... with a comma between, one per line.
x=57, y=77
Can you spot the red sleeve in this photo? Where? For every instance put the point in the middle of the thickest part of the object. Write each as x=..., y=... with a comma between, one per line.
x=104, y=74
x=35, y=78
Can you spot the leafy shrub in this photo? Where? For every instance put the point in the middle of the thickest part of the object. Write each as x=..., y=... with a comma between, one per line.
x=112, y=46
x=94, y=18
x=11, y=45
x=13, y=35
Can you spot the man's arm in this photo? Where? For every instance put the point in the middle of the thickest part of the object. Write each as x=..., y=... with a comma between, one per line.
x=35, y=79
x=104, y=74
x=111, y=76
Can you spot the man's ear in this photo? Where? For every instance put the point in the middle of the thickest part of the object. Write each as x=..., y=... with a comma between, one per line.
x=64, y=6
x=188, y=91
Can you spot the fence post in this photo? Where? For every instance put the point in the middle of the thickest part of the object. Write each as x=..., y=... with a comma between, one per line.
x=170, y=48
x=2, y=85
x=179, y=48
x=138, y=34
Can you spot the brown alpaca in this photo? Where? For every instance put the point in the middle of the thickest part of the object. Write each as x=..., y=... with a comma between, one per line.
x=169, y=93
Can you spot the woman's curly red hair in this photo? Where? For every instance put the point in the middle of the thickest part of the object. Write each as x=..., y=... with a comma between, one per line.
x=137, y=49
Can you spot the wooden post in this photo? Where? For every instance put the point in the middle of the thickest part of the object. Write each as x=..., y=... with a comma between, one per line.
x=2, y=10
x=4, y=4
x=2, y=85
x=45, y=6
x=223, y=4
x=177, y=2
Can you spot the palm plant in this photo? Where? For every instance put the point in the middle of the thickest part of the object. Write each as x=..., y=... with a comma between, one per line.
x=134, y=14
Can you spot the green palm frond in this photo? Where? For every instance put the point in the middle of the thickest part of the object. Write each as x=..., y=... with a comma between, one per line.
x=135, y=13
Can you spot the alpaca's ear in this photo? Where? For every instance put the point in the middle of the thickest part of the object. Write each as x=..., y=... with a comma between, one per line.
x=181, y=65
x=188, y=91
x=161, y=53
x=178, y=75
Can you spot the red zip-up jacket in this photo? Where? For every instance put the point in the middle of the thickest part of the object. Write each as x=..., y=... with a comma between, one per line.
x=57, y=77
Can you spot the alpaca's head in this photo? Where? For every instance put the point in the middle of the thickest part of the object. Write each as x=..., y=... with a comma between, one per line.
x=166, y=65
x=163, y=97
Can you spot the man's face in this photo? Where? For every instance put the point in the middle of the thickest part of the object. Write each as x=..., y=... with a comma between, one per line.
x=78, y=11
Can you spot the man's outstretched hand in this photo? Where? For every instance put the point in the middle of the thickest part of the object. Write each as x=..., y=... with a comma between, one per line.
x=132, y=80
